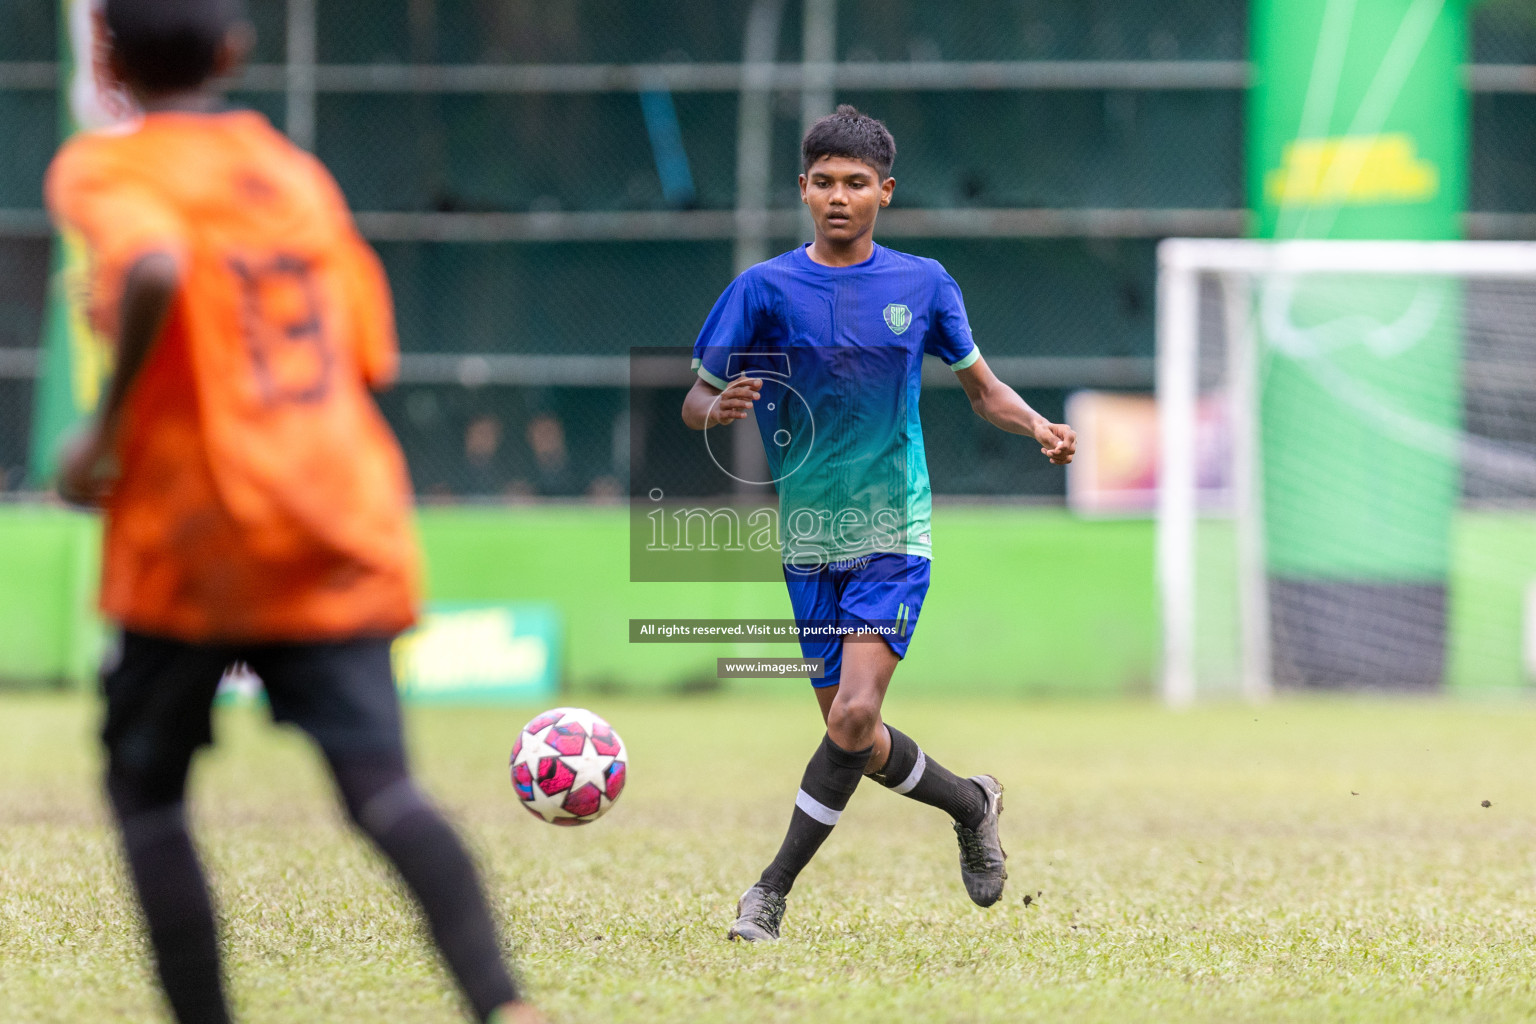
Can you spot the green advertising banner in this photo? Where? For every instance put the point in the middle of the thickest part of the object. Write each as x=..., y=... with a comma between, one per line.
x=1357, y=119
x=76, y=361
x=481, y=653
x=1358, y=129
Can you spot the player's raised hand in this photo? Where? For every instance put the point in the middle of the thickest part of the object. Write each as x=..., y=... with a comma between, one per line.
x=87, y=469
x=735, y=402
x=1058, y=442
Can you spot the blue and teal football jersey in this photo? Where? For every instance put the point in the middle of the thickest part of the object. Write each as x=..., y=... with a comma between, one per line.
x=840, y=352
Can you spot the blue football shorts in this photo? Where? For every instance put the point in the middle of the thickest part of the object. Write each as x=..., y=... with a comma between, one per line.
x=883, y=592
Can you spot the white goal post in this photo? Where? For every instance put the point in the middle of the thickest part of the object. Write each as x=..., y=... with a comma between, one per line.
x=1211, y=295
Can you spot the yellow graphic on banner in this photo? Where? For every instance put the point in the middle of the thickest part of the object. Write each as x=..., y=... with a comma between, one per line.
x=90, y=353
x=1353, y=170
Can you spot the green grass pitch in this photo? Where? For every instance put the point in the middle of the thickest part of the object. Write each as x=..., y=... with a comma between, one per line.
x=1303, y=861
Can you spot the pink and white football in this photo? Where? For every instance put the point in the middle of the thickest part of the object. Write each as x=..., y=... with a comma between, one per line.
x=568, y=766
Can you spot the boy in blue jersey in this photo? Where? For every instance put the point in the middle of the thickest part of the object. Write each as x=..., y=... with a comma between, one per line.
x=825, y=344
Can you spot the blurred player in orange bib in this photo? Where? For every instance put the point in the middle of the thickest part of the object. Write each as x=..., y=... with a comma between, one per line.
x=257, y=504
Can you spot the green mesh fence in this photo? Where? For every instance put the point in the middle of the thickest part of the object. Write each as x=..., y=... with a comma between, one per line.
x=575, y=152
x=1043, y=30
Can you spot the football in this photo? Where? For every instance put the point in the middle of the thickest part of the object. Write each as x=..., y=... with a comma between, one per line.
x=568, y=766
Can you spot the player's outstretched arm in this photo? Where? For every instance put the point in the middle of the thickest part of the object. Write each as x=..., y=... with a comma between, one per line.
x=1001, y=406
x=708, y=406
x=86, y=467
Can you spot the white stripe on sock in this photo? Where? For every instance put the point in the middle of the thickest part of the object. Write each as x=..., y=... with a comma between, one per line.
x=816, y=809
x=910, y=782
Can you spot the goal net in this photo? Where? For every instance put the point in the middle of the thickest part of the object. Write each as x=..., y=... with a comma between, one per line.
x=1347, y=465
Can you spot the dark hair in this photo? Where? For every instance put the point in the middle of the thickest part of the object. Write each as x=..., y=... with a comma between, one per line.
x=846, y=132
x=169, y=44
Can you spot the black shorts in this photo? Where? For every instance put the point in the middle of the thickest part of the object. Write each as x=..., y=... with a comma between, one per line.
x=159, y=696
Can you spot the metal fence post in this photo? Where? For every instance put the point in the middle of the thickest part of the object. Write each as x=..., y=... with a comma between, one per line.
x=754, y=142
x=299, y=73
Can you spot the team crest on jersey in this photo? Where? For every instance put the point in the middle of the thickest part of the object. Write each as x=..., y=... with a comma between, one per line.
x=897, y=317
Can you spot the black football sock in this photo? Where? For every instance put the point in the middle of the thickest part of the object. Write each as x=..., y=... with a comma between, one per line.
x=385, y=804
x=830, y=779
x=178, y=911
x=912, y=773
